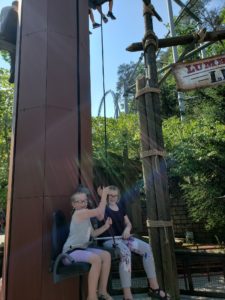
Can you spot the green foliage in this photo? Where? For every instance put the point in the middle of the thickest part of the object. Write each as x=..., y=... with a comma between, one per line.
x=169, y=103
x=120, y=165
x=6, y=100
x=208, y=102
x=5, y=55
x=122, y=132
x=196, y=159
x=127, y=74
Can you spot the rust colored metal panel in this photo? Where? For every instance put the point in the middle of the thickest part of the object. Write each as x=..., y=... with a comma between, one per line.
x=25, y=262
x=85, y=103
x=67, y=289
x=29, y=157
x=34, y=16
x=33, y=70
x=49, y=122
x=61, y=85
x=61, y=174
x=62, y=18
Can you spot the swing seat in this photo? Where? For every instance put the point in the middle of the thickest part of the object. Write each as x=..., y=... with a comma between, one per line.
x=60, y=231
x=6, y=46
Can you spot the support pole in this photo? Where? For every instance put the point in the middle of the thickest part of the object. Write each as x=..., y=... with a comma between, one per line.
x=154, y=166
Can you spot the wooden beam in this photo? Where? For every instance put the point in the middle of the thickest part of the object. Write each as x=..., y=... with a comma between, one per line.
x=187, y=10
x=181, y=40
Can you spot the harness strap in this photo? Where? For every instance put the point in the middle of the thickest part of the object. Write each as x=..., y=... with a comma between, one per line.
x=152, y=152
x=146, y=90
x=199, y=36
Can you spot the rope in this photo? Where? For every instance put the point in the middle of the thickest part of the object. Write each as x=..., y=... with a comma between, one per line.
x=149, y=9
x=147, y=90
x=152, y=152
x=103, y=87
x=199, y=36
x=105, y=121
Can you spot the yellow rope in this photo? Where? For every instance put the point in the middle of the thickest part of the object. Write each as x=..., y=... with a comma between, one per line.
x=146, y=90
x=152, y=152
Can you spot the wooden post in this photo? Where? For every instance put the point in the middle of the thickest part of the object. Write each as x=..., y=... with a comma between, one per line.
x=154, y=167
x=212, y=36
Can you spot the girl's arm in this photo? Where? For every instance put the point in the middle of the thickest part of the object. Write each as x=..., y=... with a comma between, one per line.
x=100, y=230
x=90, y=213
x=86, y=213
x=101, y=215
x=127, y=229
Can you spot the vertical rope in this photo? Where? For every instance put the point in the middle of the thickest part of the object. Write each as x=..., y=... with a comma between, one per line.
x=103, y=86
x=105, y=122
x=78, y=93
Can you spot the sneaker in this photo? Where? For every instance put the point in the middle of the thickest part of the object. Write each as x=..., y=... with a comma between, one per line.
x=111, y=15
x=96, y=25
x=105, y=297
x=105, y=20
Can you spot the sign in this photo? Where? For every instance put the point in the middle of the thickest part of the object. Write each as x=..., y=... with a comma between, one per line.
x=200, y=73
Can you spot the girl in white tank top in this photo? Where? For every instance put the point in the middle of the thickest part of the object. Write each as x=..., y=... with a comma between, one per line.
x=77, y=242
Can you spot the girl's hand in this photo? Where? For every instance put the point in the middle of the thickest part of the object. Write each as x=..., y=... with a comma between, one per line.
x=105, y=193
x=99, y=191
x=102, y=203
x=108, y=222
x=105, y=190
x=126, y=233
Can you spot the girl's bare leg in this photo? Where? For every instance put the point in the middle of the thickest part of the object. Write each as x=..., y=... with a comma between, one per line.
x=93, y=276
x=104, y=275
x=99, y=9
x=110, y=5
x=91, y=16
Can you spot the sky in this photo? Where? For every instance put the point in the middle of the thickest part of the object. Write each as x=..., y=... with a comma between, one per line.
x=125, y=30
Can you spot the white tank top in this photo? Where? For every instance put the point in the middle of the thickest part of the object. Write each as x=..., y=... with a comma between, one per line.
x=79, y=235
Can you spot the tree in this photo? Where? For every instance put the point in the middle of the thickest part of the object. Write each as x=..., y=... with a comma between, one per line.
x=195, y=146
x=127, y=74
x=196, y=160
x=122, y=138
x=120, y=132
x=6, y=102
